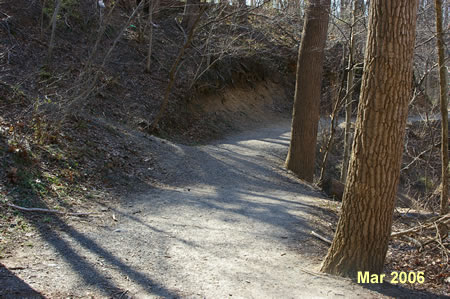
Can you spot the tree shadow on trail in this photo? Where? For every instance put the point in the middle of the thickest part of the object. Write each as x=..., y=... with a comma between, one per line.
x=14, y=287
x=239, y=180
x=398, y=291
x=87, y=271
x=72, y=249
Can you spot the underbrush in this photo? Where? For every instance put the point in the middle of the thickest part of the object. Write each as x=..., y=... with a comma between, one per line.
x=421, y=166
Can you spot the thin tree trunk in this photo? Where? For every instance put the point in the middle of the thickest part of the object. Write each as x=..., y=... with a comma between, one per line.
x=305, y=117
x=336, y=107
x=350, y=78
x=444, y=107
x=172, y=73
x=151, y=7
x=364, y=228
x=51, y=44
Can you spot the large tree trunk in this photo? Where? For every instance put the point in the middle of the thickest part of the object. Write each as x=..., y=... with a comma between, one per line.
x=364, y=228
x=444, y=107
x=302, y=150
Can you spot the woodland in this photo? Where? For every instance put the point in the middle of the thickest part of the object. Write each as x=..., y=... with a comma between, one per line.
x=212, y=149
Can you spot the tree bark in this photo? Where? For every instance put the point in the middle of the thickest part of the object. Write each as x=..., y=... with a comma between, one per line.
x=444, y=107
x=364, y=228
x=305, y=117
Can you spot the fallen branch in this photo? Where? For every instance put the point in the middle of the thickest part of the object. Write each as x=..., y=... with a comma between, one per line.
x=49, y=211
x=414, y=241
x=321, y=237
x=444, y=220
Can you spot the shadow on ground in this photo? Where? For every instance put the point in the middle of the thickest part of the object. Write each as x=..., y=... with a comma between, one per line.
x=239, y=183
x=14, y=287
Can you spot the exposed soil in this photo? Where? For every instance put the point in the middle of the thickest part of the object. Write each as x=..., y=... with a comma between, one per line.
x=229, y=221
x=202, y=215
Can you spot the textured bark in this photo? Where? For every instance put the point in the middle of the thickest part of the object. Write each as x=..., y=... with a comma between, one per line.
x=363, y=231
x=444, y=107
x=302, y=149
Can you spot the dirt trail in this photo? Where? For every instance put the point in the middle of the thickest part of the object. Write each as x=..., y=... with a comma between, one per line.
x=229, y=222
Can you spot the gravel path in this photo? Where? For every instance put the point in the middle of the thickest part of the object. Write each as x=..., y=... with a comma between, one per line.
x=229, y=222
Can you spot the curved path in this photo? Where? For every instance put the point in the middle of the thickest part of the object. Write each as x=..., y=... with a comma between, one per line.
x=228, y=222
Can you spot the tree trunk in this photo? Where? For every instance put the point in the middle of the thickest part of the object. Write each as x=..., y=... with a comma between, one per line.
x=151, y=8
x=302, y=149
x=350, y=77
x=444, y=107
x=363, y=230
x=173, y=71
x=51, y=44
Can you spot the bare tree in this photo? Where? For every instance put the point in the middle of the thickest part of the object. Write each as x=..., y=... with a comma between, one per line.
x=152, y=7
x=173, y=71
x=444, y=107
x=51, y=44
x=357, y=12
x=305, y=117
x=364, y=228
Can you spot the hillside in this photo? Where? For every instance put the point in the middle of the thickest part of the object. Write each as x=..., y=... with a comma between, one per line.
x=200, y=206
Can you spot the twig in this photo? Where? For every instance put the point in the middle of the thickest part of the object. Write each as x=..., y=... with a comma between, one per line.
x=321, y=237
x=314, y=273
x=49, y=211
x=122, y=295
x=439, y=238
x=444, y=219
x=415, y=242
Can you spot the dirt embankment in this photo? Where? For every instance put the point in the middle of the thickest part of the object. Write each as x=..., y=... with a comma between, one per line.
x=238, y=108
x=103, y=149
